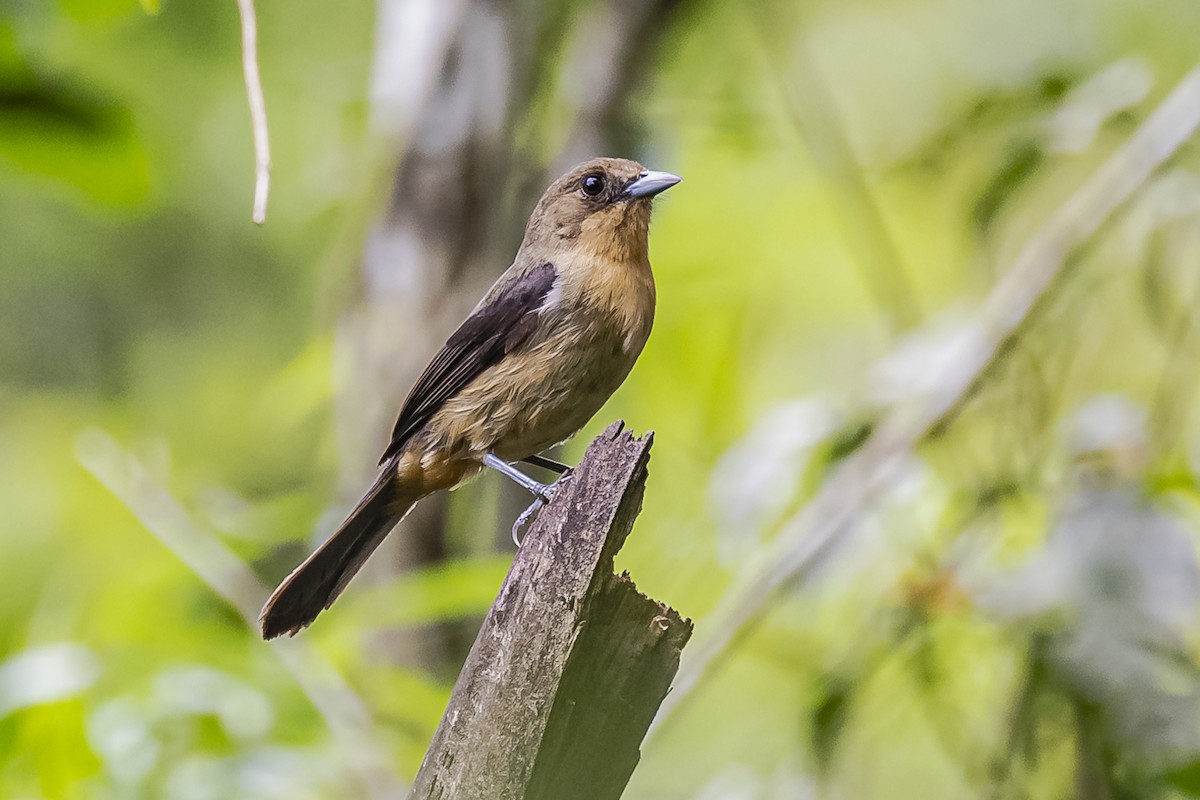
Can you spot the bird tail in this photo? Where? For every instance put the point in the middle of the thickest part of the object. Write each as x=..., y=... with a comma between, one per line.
x=314, y=585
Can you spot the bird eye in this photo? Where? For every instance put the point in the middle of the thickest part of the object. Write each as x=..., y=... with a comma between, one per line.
x=593, y=185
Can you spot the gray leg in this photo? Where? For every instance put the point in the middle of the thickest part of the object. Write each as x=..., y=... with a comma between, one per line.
x=538, y=490
x=547, y=463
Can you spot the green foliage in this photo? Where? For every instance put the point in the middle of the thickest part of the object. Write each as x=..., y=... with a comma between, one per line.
x=1017, y=604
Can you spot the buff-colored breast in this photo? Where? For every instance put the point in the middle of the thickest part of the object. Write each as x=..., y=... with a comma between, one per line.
x=590, y=333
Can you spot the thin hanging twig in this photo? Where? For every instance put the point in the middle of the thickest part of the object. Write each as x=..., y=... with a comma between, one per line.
x=258, y=109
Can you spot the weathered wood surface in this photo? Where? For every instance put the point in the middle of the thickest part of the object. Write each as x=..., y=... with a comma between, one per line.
x=572, y=661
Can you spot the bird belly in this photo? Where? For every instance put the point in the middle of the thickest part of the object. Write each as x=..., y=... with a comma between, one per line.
x=540, y=396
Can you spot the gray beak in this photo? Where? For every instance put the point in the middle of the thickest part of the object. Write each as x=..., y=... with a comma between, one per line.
x=650, y=183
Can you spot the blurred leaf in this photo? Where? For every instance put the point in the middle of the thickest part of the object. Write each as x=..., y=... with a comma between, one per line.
x=1186, y=778
x=63, y=128
x=1023, y=160
x=452, y=590
x=845, y=442
x=408, y=698
x=101, y=10
x=106, y=165
x=828, y=719
x=44, y=675
x=1075, y=123
x=301, y=388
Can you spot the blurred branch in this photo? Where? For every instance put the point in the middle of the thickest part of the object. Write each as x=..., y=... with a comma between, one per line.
x=258, y=109
x=1172, y=397
x=613, y=46
x=1021, y=734
x=412, y=40
x=454, y=86
x=411, y=43
x=1176, y=386
x=813, y=109
x=966, y=361
x=228, y=576
x=1091, y=767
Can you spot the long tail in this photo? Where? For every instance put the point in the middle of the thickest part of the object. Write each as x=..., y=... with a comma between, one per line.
x=314, y=585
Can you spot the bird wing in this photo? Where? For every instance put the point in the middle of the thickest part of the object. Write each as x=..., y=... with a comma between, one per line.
x=495, y=328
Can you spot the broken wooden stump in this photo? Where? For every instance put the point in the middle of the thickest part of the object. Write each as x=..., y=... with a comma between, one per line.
x=572, y=661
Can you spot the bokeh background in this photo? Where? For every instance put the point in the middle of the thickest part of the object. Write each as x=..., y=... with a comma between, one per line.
x=934, y=547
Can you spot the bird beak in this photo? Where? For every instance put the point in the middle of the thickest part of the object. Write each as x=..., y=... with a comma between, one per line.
x=650, y=183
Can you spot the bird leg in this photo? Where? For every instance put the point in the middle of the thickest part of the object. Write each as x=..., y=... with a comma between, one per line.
x=546, y=463
x=540, y=491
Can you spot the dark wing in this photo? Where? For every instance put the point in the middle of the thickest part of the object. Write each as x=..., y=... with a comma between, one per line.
x=496, y=328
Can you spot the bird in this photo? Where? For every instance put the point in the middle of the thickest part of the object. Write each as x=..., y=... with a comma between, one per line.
x=537, y=357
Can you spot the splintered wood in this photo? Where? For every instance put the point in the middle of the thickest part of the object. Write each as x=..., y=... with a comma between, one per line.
x=572, y=661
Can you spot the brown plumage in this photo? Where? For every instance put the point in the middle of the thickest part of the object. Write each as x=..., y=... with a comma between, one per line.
x=546, y=346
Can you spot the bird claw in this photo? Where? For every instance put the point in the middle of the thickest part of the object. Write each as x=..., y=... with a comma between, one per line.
x=540, y=499
x=524, y=518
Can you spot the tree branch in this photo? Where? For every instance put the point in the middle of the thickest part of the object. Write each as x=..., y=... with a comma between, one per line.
x=572, y=661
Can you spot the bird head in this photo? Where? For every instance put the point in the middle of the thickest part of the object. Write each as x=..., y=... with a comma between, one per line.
x=603, y=204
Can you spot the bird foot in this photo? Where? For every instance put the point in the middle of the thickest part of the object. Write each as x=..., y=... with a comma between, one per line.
x=541, y=498
x=524, y=518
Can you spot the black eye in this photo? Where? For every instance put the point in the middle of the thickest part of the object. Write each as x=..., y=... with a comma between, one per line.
x=593, y=185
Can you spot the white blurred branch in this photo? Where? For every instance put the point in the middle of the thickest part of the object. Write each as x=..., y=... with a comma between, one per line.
x=411, y=42
x=228, y=576
x=258, y=109
x=860, y=478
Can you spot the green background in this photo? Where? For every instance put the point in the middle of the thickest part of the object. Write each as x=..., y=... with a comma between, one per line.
x=854, y=172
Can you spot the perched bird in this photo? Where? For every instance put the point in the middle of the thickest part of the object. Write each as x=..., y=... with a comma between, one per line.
x=545, y=347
